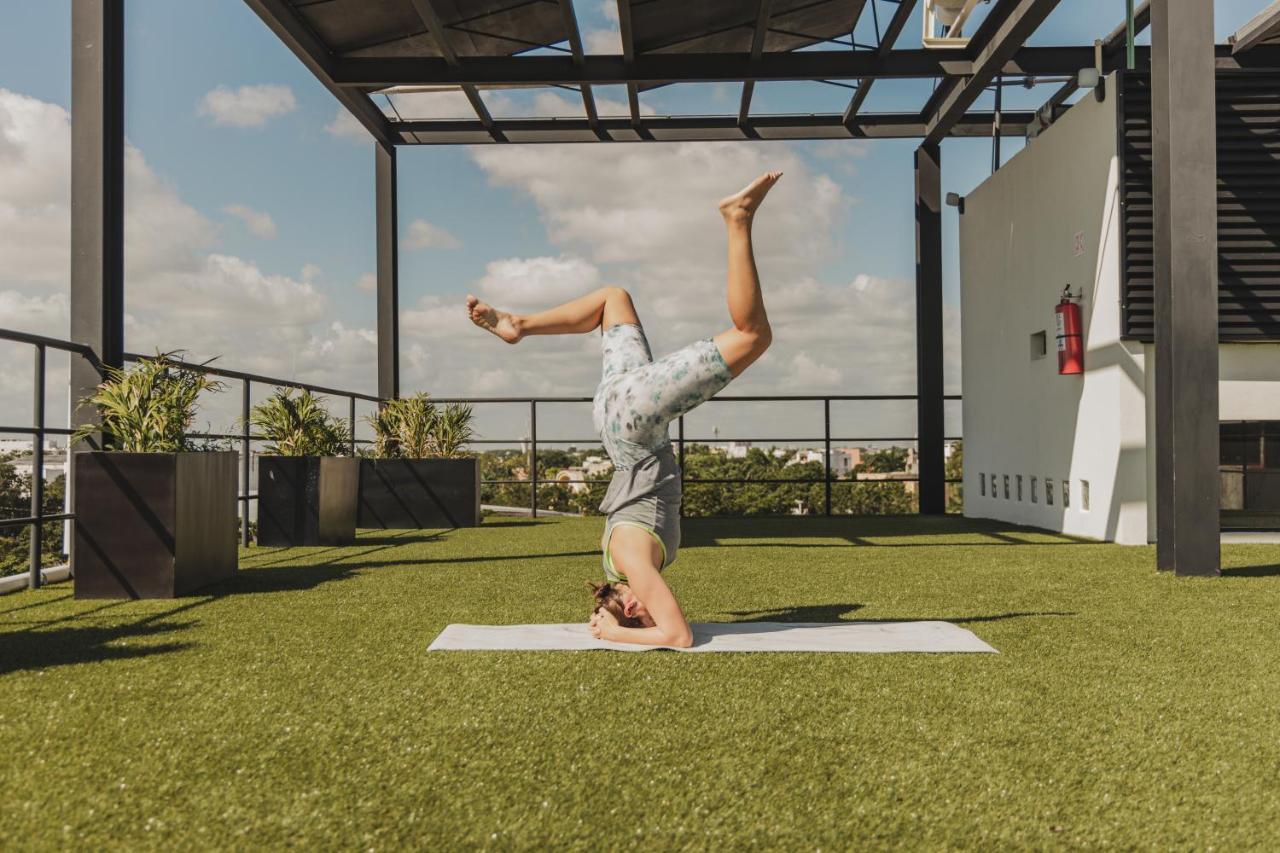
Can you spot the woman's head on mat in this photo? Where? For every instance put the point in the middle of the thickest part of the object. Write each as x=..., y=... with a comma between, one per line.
x=620, y=602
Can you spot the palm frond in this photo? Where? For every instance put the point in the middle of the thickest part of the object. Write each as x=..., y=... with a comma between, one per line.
x=150, y=406
x=415, y=428
x=296, y=423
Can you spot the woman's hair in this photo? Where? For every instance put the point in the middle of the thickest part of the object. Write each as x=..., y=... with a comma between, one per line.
x=605, y=596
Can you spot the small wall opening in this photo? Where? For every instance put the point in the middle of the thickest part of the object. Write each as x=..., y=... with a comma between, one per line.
x=1039, y=345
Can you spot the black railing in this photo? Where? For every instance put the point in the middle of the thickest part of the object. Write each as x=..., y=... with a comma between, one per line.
x=38, y=431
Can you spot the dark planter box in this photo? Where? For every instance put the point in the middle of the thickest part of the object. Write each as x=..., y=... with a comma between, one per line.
x=153, y=525
x=414, y=493
x=307, y=500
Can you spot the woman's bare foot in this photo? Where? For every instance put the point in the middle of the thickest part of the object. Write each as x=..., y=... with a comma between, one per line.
x=741, y=206
x=502, y=324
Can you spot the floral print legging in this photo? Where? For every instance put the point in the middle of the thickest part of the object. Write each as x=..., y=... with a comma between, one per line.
x=638, y=397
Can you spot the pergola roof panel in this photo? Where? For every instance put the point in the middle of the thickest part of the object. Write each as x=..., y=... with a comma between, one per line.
x=727, y=26
x=395, y=29
x=408, y=49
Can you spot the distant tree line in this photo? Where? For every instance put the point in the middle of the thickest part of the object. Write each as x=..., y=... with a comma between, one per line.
x=880, y=497
x=15, y=502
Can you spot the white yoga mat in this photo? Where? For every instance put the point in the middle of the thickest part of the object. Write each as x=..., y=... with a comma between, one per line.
x=865, y=637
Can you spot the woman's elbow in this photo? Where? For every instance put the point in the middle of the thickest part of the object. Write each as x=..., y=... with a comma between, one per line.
x=681, y=638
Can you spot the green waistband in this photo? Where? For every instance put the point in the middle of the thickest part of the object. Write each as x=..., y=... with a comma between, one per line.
x=613, y=575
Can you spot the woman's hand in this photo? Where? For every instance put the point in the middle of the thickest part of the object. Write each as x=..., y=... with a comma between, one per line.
x=601, y=624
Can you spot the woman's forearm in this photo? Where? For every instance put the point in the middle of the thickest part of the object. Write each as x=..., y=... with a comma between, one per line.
x=655, y=636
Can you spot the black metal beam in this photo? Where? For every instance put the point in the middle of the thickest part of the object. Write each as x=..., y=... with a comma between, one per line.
x=704, y=128
x=97, y=194
x=1184, y=167
x=628, y=60
x=930, y=404
x=991, y=55
x=764, y=10
x=575, y=46
x=388, y=287
x=887, y=41
x=281, y=18
x=435, y=28
x=661, y=68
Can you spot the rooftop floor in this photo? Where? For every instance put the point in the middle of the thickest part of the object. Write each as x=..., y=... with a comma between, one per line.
x=297, y=704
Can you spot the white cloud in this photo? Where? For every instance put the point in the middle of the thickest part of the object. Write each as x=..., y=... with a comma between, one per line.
x=644, y=218
x=259, y=224
x=531, y=283
x=42, y=315
x=603, y=41
x=247, y=106
x=180, y=293
x=609, y=8
x=807, y=373
x=344, y=126
x=423, y=235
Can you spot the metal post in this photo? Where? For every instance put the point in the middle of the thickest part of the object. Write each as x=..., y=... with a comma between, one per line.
x=995, y=125
x=930, y=409
x=1184, y=166
x=97, y=195
x=533, y=458
x=244, y=464
x=37, y=469
x=826, y=443
x=351, y=422
x=680, y=421
x=1130, y=58
x=388, y=271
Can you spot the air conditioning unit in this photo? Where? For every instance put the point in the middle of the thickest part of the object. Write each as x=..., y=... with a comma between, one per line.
x=944, y=22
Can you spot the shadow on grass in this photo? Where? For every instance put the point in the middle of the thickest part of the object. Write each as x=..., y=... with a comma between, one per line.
x=34, y=650
x=805, y=613
x=1252, y=572
x=857, y=530
x=527, y=522
x=256, y=579
x=839, y=612
x=57, y=599
x=401, y=537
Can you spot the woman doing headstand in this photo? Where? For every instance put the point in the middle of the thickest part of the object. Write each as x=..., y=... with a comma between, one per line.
x=636, y=400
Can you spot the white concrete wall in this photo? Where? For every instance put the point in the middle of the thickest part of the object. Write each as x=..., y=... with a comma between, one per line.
x=1018, y=249
x=1050, y=217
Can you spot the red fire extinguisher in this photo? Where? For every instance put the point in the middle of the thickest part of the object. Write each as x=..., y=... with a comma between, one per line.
x=1070, y=338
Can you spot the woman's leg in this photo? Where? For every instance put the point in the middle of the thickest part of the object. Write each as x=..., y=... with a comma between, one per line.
x=608, y=306
x=750, y=335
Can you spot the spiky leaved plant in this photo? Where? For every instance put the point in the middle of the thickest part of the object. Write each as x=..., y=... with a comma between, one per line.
x=415, y=428
x=403, y=428
x=453, y=430
x=299, y=425
x=149, y=407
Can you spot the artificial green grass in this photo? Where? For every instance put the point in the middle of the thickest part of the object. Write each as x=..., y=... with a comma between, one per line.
x=298, y=707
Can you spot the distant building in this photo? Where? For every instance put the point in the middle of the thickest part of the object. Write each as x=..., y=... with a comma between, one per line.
x=55, y=464
x=738, y=449
x=596, y=466
x=843, y=459
x=23, y=445
x=574, y=478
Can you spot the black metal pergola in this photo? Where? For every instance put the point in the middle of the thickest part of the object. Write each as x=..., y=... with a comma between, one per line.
x=359, y=49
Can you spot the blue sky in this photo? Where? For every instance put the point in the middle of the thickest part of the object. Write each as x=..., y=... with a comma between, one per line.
x=316, y=186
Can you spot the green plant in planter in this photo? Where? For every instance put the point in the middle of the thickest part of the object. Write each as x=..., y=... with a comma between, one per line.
x=453, y=430
x=415, y=428
x=149, y=407
x=297, y=424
